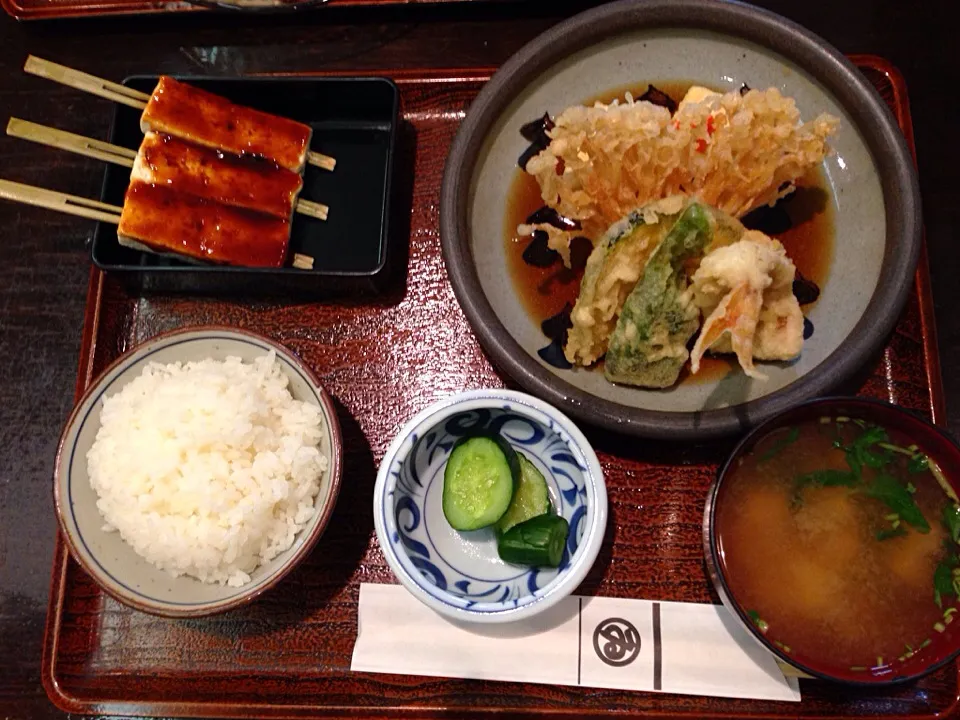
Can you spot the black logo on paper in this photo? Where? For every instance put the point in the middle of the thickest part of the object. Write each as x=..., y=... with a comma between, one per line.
x=616, y=642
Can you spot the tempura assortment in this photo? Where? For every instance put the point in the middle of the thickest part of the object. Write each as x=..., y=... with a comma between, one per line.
x=658, y=194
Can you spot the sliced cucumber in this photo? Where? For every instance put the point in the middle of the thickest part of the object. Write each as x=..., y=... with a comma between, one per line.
x=479, y=480
x=538, y=541
x=531, y=498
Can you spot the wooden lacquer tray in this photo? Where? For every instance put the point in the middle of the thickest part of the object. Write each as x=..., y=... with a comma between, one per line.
x=383, y=358
x=49, y=9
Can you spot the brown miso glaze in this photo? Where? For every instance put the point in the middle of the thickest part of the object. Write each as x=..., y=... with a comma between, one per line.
x=808, y=240
x=245, y=182
x=168, y=221
x=179, y=109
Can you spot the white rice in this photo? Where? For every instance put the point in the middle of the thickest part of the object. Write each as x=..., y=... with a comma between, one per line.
x=208, y=468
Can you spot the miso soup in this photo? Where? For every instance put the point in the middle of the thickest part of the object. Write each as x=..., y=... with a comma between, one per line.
x=839, y=538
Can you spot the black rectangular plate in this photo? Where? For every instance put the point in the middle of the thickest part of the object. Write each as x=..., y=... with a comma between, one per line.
x=353, y=120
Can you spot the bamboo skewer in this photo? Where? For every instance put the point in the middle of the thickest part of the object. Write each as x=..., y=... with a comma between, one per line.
x=302, y=262
x=83, y=207
x=88, y=83
x=69, y=204
x=320, y=160
x=26, y=130
x=313, y=209
x=121, y=94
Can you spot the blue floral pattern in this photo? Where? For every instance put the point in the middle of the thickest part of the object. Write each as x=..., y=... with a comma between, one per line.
x=465, y=566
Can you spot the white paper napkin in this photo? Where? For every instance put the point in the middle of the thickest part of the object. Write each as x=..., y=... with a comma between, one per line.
x=685, y=648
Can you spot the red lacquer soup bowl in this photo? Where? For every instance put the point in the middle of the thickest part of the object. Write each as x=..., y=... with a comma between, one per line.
x=911, y=434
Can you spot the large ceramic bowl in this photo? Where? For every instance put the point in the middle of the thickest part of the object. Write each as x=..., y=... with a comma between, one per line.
x=942, y=645
x=110, y=561
x=870, y=174
x=459, y=574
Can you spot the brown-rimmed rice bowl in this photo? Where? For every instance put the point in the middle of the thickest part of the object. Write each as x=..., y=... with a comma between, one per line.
x=105, y=556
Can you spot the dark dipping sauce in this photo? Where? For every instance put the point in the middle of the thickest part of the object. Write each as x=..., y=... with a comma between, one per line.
x=839, y=541
x=803, y=222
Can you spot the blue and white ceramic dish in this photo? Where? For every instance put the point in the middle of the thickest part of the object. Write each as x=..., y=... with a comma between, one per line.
x=459, y=574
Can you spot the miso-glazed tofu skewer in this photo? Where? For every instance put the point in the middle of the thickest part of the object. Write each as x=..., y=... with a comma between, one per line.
x=179, y=109
x=160, y=219
x=194, y=170
x=163, y=221
x=163, y=160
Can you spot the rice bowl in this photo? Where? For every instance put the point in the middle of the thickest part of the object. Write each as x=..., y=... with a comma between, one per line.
x=207, y=468
x=262, y=472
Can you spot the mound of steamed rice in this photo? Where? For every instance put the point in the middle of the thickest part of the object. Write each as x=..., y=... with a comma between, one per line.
x=208, y=468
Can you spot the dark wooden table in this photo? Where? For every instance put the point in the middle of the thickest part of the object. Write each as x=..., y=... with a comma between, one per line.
x=44, y=263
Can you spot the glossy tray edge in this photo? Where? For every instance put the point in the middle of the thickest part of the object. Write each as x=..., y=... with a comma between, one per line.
x=931, y=350
x=58, y=693
x=125, y=8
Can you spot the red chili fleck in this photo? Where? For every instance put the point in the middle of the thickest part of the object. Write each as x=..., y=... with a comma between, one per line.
x=701, y=145
x=561, y=166
x=676, y=124
x=710, y=125
x=692, y=125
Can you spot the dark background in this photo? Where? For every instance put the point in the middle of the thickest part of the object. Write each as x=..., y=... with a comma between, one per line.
x=44, y=263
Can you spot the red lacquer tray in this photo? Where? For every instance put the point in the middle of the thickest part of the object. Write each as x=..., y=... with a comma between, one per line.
x=383, y=359
x=49, y=9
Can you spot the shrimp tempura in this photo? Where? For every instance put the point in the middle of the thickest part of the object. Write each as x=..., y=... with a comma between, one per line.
x=745, y=290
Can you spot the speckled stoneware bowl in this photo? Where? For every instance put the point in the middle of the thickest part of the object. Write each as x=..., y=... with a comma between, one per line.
x=722, y=44
x=110, y=561
x=459, y=574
